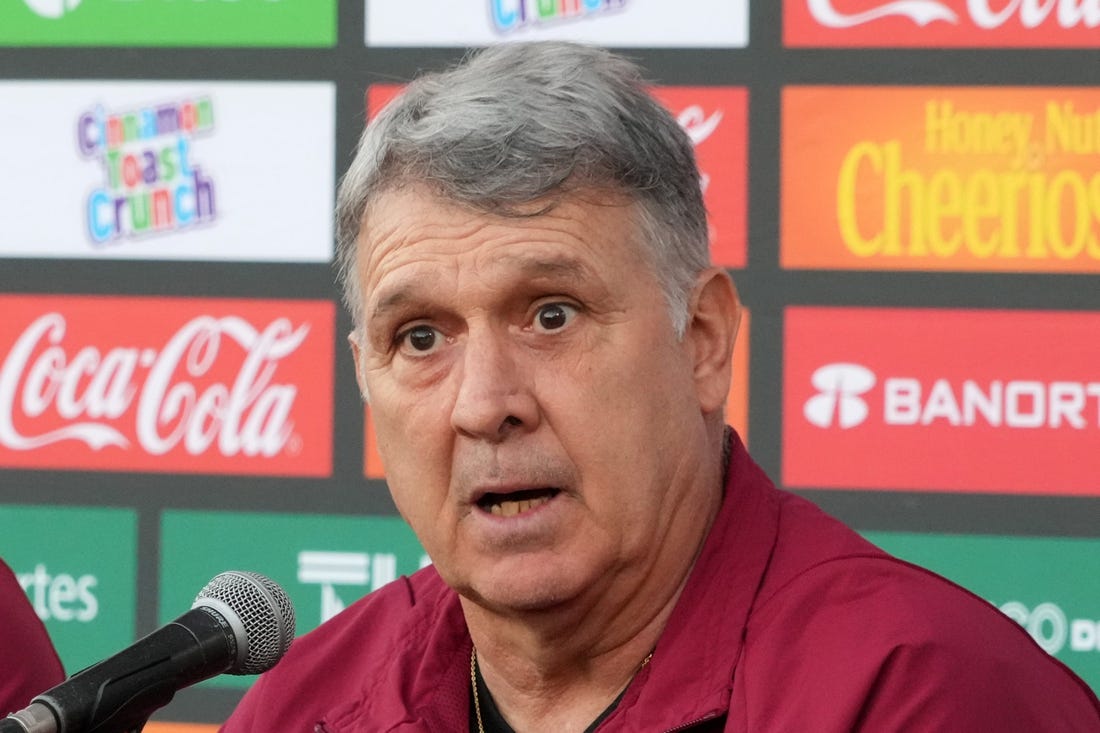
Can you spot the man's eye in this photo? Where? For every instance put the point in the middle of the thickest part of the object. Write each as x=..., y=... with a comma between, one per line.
x=554, y=316
x=419, y=339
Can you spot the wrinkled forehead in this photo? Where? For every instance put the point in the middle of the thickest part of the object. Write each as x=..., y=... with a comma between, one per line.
x=376, y=225
x=412, y=240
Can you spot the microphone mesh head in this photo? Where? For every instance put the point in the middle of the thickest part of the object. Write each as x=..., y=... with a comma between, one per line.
x=263, y=609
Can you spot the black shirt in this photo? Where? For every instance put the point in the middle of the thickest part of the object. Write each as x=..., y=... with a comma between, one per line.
x=493, y=722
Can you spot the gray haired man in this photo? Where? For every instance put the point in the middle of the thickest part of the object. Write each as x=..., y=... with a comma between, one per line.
x=546, y=351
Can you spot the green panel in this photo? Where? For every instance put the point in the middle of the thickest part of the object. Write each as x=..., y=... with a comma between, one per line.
x=1048, y=585
x=78, y=566
x=323, y=562
x=168, y=23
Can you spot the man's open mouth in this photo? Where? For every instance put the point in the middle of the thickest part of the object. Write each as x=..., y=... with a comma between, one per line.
x=516, y=502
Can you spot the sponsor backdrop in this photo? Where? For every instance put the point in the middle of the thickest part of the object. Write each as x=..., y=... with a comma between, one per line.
x=905, y=192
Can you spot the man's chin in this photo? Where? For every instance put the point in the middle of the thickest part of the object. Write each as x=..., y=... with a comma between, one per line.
x=519, y=597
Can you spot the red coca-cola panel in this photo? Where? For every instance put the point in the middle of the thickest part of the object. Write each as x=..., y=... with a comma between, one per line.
x=941, y=23
x=942, y=400
x=716, y=120
x=182, y=385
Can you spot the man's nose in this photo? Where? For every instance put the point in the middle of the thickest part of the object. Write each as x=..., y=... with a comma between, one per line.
x=494, y=396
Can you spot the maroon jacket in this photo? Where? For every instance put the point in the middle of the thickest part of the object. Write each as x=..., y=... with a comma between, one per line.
x=28, y=662
x=789, y=622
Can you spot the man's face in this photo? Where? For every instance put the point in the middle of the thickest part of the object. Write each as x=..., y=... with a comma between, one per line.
x=540, y=422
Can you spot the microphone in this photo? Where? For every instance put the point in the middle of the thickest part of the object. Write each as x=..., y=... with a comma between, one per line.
x=240, y=623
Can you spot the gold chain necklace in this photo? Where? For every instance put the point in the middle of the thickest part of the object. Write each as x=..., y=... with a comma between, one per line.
x=477, y=698
x=473, y=686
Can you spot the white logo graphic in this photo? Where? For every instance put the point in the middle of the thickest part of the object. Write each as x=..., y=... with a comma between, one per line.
x=329, y=569
x=51, y=8
x=251, y=415
x=907, y=401
x=838, y=400
x=698, y=128
x=60, y=597
x=921, y=12
x=1049, y=626
x=697, y=125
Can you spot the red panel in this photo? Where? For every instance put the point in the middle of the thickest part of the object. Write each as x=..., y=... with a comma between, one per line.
x=942, y=400
x=184, y=385
x=941, y=23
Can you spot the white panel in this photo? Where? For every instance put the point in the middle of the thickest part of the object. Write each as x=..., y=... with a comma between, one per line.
x=268, y=156
x=615, y=23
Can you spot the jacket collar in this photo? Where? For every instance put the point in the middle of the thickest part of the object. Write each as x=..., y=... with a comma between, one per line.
x=690, y=677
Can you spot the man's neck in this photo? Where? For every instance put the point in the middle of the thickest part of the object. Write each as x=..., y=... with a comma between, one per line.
x=561, y=686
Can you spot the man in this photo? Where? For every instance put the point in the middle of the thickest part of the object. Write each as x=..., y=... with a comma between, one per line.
x=28, y=662
x=546, y=352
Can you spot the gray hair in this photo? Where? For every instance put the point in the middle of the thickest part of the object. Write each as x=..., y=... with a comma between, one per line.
x=518, y=122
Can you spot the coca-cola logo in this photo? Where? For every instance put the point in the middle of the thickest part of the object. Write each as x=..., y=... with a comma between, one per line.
x=982, y=13
x=697, y=124
x=212, y=386
x=921, y=12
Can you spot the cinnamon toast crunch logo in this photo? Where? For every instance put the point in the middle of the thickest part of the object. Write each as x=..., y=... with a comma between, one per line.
x=510, y=15
x=609, y=23
x=151, y=184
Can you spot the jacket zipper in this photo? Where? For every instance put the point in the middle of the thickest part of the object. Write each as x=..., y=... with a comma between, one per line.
x=690, y=724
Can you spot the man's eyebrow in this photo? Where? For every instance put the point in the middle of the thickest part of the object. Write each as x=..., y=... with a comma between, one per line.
x=533, y=266
x=525, y=266
x=395, y=299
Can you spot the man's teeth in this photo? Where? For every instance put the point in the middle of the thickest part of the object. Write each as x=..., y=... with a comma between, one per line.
x=507, y=508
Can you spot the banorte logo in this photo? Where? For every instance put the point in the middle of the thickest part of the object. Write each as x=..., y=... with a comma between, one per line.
x=838, y=400
x=1012, y=404
x=940, y=22
x=151, y=183
x=942, y=400
x=511, y=15
x=190, y=386
x=52, y=8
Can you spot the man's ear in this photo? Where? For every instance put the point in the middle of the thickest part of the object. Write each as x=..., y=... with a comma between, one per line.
x=355, y=341
x=714, y=318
